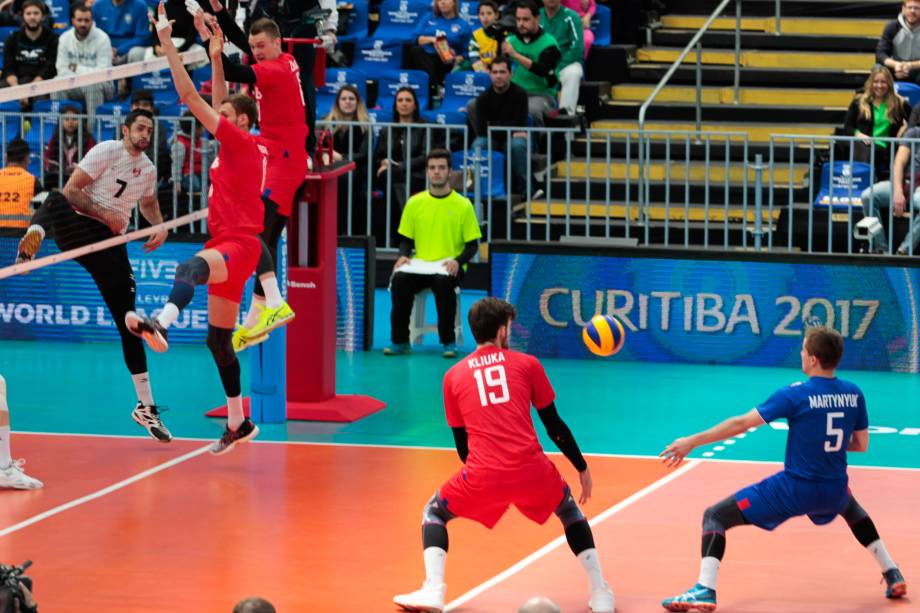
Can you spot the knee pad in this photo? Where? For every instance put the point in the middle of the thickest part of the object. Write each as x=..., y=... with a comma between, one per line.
x=220, y=342
x=568, y=510
x=194, y=271
x=723, y=515
x=435, y=513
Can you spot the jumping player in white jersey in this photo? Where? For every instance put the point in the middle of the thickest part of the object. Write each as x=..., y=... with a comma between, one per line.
x=96, y=204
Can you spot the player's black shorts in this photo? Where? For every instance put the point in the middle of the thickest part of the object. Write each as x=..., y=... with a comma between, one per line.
x=72, y=230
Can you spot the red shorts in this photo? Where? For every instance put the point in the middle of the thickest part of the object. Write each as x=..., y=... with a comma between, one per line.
x=283, y=178
x=485, y=498
x=241, y=254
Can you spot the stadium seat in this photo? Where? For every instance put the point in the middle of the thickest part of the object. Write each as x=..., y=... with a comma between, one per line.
x=158, y=82
x=445, y=118
x=109, y=117
x=200, y=75
x=376, y=56
x=335, y=79
x=461, y=87
x=49, y=111
x=356, y=28
x=600, y=25
x=398, y=19
x=469, y=12
x=849, y=181
x=60, y=13
x=487, y=185
x=390, y=82
x=4, y=34
x=911, y=91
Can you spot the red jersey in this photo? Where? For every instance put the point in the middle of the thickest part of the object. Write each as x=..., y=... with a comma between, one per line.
x=237, y=175
x=490, y=393
x=281, y=106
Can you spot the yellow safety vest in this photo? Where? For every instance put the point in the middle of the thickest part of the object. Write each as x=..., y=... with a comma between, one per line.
x=17, y=187
x=488, y=47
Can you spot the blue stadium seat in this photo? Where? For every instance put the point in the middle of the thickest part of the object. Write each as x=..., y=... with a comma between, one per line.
x=377, y=56
x=356, y=28
x=398, y=19
x=486, y=183
x=469, y=12
x=200, y=75
x=159, y=83
x=600, y=25
x=461, y=87
x=849, y=181
x=60, y=13
x=390, y=82
x=54, y=106
x=4, y=34
x=445, y=118
x=335, y=79
x=911, y=91
x=109, y=117
x=11, y=106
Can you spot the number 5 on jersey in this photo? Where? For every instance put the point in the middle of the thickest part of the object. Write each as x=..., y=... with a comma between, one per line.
x=492, y=384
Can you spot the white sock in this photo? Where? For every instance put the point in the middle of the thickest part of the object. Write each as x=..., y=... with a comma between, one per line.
x=255, y=308
x=435, y=560
x=880, y=553
x=235, y=412
x=5, y=458
x=168, y=315
x=142, y=387
x=592, y=565
x=272, y=294
x=709, y=572
x=38, y=229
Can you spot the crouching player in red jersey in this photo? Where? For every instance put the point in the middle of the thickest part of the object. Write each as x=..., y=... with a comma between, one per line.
x=234, y=221
x=487, y=398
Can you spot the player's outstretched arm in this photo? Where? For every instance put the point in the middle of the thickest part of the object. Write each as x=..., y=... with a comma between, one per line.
x=183, y=82
x=73, y=191
x=565, y=441
x=218, y=82
x=675, y=453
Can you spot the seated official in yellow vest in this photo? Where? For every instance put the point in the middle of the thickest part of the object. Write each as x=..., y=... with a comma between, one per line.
x=17, y=186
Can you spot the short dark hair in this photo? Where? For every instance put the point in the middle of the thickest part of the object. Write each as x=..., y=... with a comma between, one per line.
x=254, y=605
x=489, y=3
x=17, y=150
x=37, y=3
x=79, y=7
x=487, y=316
x=528, y=5
x=134, y=115
x=142, y=95
x=501, y=59
x=244, y=105
x=826, y=345
x=438, y=154
x=265, y=25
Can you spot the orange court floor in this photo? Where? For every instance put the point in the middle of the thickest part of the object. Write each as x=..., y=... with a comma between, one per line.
x=129, y=525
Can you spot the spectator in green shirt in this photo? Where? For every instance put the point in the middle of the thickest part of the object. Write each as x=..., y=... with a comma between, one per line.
x=565, y=26
x=441, y=226
x=536, y=61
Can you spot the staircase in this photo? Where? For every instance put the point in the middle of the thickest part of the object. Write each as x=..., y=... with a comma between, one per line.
x=798, y=82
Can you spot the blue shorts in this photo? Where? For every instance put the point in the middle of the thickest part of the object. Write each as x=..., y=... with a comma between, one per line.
x=775, y=499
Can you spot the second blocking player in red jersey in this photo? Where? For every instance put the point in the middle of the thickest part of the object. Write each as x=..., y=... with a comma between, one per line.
x=487, y=398
x=234, y=221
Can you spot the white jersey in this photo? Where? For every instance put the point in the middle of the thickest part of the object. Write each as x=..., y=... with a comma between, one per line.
x=119, y=181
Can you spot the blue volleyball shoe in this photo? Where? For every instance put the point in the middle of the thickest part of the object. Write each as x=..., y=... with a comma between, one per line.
x=895, y=586
x=697, y=598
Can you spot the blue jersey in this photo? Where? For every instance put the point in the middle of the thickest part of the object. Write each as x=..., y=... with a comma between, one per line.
x=822, y=414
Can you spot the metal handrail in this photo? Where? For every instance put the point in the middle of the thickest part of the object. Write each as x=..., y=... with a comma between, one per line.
x=694, y=42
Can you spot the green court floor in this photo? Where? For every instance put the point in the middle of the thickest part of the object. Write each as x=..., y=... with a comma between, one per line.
x=612, y=406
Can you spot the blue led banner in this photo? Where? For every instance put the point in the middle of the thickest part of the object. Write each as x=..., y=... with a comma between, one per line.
x=736, y=310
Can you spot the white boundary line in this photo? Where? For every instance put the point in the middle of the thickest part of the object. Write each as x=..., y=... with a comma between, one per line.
x=521, y=565
x=103, y=492
x=634, y=456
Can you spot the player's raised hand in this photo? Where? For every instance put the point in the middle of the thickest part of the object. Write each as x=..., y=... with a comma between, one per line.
x=675, y=453
x=216, y=46
x=216, y=6
x=587, y=485
x=163, y=26
x=155, y=241
x=200, y=27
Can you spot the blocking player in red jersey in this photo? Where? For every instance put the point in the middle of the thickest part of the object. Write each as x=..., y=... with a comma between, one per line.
x=275, y=77
x=234, y=221
x=487, y=398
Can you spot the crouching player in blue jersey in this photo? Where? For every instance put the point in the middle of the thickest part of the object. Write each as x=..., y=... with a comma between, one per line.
x=827, y=417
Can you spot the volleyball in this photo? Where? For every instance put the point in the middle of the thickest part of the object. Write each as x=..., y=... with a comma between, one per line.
x=603, y=335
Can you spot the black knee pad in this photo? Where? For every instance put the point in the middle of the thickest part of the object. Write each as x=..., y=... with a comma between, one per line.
x=568, y=510
x=435, y=512
x=723, y=515
x=193, y=271
x=220, y=342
